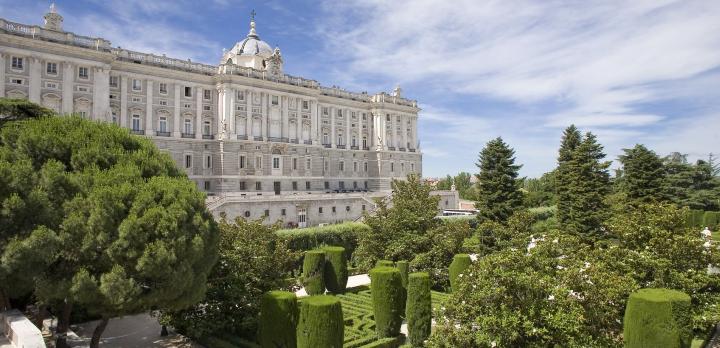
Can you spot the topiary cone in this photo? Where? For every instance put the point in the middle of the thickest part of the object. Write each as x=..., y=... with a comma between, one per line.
x=658, y=318
x=418, y=308
x=278, y=319
x=336, y=272
x=404, y=268
x=321, y=323
x=459, y=264
x=387, y=297
x=313, y=271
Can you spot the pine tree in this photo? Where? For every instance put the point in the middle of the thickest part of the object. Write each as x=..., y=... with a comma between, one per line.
x=570, y=141
x=498, y=184
x=643, y=175
x=589, y=184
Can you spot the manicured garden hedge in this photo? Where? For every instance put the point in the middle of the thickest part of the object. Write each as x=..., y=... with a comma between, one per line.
x=459, y=264
x=387, y=297
x=344, y=235
x=384, y=263
x=711, y=219
x=658, y=318
x=313, y=272
x=336, y=270
x=418, y=308
x=321, y=322
x=278, y=319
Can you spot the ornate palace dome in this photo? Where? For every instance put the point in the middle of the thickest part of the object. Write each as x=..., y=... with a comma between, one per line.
x=252, y=45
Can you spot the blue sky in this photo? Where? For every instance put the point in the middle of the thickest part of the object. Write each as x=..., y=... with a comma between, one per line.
x=629, y=71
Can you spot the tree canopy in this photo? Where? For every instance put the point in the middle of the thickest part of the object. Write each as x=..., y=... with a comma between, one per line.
x=498, y=185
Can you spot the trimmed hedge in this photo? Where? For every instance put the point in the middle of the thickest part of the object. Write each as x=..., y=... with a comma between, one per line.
x=459, y=264
x=321, y=322
x=278, y=319
x=384, y=263
x=344, y=235
x=336, y=270
x=404, y=268
x=418, y=308
x=658, y=318
x=313, y=272
x=387, y=297
x=711, y=219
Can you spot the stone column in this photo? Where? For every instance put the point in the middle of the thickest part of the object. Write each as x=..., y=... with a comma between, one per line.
x=348, y=129
x=285, y=117
x=314, y=122
x=222, y=105
x=299, y=123
x=230, y=120
x=414, y=131
x=35, y=80
x=101, y=94
x=393, y=131
x=198, y=116
x=149, y=123
x=333, y=139
x=264, y=114
x=2, y=74
x=176, y=111
x=123, y=101
x=68, y=87
x=403, y=129
x=248, y=114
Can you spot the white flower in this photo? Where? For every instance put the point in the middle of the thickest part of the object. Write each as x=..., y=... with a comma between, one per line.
x=551, y=298
x=555, y=241
x=473, y=257
x=559, y=267
x=493, y=344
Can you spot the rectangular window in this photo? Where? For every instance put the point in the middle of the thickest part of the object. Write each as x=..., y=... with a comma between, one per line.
x=334, y=210
x=305, y=105
x=113, y=81
x=53, y=85
x=282, y=212
x=294, y=185
x=366, y=185
x=275, y=100
x=208, y=161
x=240, y=95
x=136, y=122
x=307, y=164
x=163, y=124
x=355, y=166
x=392, y=167
x=341, y=166
x=206, y=107
x=16, y=81
x=163, y=102
x=242, y=186
x=307, y=185
x=241, y=162
x=258, y=186
x=366, y=167
x=354, y=184
x=17, y=63
x=206, y=128
x=294, y=164
x=188, y=161
x=206, y=94
x=325, y=111
x=136, y=100
x=188, y=126
x=412, y=167
x=207, y=186
x=339, y=113
x=320, y=210
x=51, y=68
x=136, y=85
x=187, y=106
x=267, y=212
x=83, y=72
x=342, y=185
x=276, y=163
x=188, y=91
x=327, y=185
x=163, y=88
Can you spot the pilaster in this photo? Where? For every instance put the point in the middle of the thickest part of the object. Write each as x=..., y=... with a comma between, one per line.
x=149, y=123
x=348, y=134
x=198, y=117
x=333, y=139
x=264, y=114
x=68, y=87
x=35, y=80
x=248, y=114
x=314, y=122
x=123, y=101
x=230, y=121
x=370, y=132
x=101, y=94
x=403, y=129
x=2, y=74
x=176, y=112
x=284, y=118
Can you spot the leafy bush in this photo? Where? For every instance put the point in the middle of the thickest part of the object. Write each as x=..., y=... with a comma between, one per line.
x=418, y=308
x=344, y=235
x=387, y=296
x=444, y=242
x=458, y=266
x=313, y=277
x=278, y=319
x=336, y=270
x=658, y=318
x=321, y=322
x=384, y=263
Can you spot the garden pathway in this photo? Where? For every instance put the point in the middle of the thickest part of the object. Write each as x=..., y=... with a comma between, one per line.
x=353, y=281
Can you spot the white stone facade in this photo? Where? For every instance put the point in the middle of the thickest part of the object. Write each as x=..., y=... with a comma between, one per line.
x=242, y=127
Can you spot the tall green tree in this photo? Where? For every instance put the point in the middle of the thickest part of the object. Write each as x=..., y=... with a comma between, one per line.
x=643, y=175
x=691, y=185
x=571, y=139
x=498, y=185
x=588, y=182
x=120, y=229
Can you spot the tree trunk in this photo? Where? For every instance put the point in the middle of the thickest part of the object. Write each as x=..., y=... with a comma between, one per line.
x=163, y=331
x=95, y=342
x=41, y=315
x=4, y=301
x=63, y=326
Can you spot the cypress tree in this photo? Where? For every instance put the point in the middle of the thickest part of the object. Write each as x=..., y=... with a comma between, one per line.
x=570, y=141
x=418, y=308
x=643, y=175
x=498, y=185
x=278, y=319
x=589, y=184
x=313, y=272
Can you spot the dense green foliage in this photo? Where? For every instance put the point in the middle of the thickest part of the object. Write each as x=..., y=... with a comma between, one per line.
x=540, y=192
x=313, y=276
x=387, y=297
x=401, y=231
x=21, y=109
x=643, y=175
x=321, y=322
x=345, y=235
x=96, y=218
x=463, y=184
x=658, y=318
x=278, y=319
x=445, y=241
x=253, y=260
x=404, y=268
x=696, y=186
x=711, y=219
x=418, y=310
x=459, y=265
x=570, y=141
x=336, y=270
x=384, y=263
x=498, y=185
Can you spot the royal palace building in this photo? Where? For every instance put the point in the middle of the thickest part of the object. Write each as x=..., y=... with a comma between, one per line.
x=258, y=141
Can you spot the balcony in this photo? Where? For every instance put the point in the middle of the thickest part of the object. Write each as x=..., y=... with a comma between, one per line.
x=366, y=148
x=391, y=148
x=242, y=137
x=208, y=136
x=411, y=150
x=340, y=146
x=137, y=131
x=402, y=149
x=162, y=134
x=277, y=140
x=257, y=138
x=294, y=141
x=327, y=146
x=355, y=147
x=187, y=135
x=307, y=142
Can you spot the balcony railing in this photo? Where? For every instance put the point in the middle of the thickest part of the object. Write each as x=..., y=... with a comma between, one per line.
x=402, y=149
x=307, y=142
x=366, y=148
x=391, y=148
x=340, y=146
x=187, y=135
x=162, y=134
x=137, y=131
x=242, y=137
x=294, y=141
x=68, y=38
x=327, y=146
x=208, y=136
x=354, y=147
x=411, y=150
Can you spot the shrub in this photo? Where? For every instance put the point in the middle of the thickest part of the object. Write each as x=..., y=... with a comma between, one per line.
x=387, y=296
x=711, y=219
x=384, y=263
x=278, y=319
x=313, y=272
x=459, y=264
x=321, y=322
x=658, y=318
x=418, y=308
x=695, y=218
x=344, y=235
x=336, y=270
